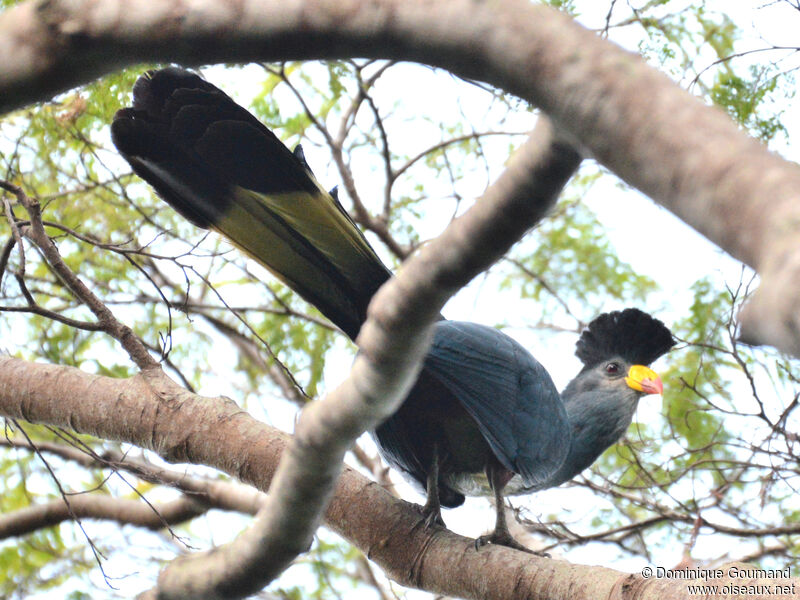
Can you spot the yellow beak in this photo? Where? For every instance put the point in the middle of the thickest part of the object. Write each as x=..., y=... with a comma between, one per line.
x=643, y=379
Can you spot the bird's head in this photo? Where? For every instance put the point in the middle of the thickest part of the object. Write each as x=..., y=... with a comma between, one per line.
x=600, y=401
x=616, y=348
x=617, y=376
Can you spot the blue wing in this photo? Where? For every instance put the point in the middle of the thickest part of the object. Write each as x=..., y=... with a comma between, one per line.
x=509, y=394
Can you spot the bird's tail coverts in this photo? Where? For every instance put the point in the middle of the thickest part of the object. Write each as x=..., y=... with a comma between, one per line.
x=222, y=169
x=630, y=334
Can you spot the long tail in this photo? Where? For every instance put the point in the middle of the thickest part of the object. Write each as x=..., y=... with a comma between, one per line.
x=222, y=169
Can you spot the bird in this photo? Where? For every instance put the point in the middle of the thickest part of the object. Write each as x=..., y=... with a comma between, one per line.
x=484, y=417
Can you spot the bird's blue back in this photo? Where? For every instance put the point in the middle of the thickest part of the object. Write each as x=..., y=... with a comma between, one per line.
x=507, y=392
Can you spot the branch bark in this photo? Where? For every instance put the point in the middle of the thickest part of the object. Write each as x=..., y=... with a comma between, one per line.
x=100, y=507
x=213, y=431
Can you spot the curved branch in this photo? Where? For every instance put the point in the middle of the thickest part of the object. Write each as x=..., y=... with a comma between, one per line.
x=100, y=507
x=211, y=493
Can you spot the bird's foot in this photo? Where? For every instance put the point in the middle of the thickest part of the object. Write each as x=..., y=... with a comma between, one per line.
x=431, y=516
x=504, y=538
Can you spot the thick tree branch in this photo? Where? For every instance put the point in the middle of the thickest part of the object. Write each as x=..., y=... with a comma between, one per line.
x=217, y=433
x=689, y=157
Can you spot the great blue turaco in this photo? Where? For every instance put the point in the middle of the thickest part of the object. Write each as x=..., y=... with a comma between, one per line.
x=484, y=417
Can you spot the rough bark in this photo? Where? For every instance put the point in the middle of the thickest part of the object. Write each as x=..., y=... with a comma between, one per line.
x=386, y=529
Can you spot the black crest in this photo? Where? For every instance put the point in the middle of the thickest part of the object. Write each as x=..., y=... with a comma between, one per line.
x=631, y=334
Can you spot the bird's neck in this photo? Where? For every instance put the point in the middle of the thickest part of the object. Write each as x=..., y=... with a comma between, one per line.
x=598, y=420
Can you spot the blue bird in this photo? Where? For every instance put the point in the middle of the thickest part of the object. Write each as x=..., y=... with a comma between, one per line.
x=484, y=417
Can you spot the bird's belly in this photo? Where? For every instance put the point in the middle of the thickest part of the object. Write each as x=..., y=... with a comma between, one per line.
x=477, y=484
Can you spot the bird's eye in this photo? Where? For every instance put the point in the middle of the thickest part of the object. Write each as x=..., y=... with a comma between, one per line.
x=612, y=368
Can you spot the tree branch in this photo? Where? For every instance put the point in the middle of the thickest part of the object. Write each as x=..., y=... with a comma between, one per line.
x=100, y=506
x=215, y=432
x=106, y=319
x=211, y=493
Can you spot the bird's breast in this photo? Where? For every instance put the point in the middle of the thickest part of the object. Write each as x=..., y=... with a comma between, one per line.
x=477, y=484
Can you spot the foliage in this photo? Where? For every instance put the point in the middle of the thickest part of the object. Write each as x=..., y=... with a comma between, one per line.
x=583, y=273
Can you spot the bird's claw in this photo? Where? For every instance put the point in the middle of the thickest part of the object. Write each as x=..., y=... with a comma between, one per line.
x=434, y=518
x=503, y=538
x=431, y=517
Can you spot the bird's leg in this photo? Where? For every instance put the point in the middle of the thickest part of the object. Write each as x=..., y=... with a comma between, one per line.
x=432, y=510
x=498, y=477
